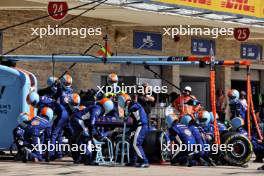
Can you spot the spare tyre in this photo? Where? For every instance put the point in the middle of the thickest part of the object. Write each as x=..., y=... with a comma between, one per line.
x=154, y=146
x=242, y=148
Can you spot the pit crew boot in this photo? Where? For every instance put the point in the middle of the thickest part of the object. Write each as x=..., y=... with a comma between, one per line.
x=258, y=160
x=24, y=154
x=211, y=162
x=143, y=165
x=261, y=168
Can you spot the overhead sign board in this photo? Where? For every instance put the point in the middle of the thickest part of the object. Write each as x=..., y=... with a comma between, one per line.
x=203, y=47
x=251, y=51
x=147, y=40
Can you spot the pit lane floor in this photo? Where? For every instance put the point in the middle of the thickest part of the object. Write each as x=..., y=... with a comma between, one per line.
x=66, y=167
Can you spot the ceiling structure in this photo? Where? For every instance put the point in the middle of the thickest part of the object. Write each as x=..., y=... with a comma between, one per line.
x=144, y=13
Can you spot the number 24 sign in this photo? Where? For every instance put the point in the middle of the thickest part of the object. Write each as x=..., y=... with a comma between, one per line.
x=241, y=34
x=57, y=9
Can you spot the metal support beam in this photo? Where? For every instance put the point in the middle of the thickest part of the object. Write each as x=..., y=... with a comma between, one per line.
x=141, y=60
x=148, y=60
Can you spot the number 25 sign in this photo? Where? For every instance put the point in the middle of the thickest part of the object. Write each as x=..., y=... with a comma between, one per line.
x=57, y=9
x=241, y=34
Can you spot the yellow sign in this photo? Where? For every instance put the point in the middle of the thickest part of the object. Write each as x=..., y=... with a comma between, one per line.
x=254, y=8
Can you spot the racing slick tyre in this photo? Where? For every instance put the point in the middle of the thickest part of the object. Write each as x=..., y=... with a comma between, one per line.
x=154, y=146
x=242, y=148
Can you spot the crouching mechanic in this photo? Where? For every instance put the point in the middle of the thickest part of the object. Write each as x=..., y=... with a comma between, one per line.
x=38, y=131
x=182, y=138
x=203, y=157
x=59, y=123
x=258, y=146
x=51, y=89
x=237, y=125
x=83, y=124
x=207, y=124
x=18, y=133
x=140, y=120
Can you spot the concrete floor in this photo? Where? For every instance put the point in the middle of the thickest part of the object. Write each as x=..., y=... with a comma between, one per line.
x=66, y=167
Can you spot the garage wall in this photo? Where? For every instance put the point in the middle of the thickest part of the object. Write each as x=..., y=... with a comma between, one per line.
x=138, y=71
x=194, y=71
x=242, y=73
x=88, y=75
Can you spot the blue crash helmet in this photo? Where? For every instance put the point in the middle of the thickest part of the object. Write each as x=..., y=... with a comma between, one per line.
x=233, y=95
x=205, y=118
x=169, y=119
x=122, y=99
x=51, y=81
x=23, y=117
x=67, y=80
x=212, y=117
x=185, y=119
x=47, y=112
x=236, y=123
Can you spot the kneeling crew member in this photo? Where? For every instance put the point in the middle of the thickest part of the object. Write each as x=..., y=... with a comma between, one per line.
x=181, y=135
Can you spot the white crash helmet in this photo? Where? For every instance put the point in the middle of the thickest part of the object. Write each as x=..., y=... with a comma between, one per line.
x=112, y=79
x=23, y=117
x=107, y=104
x=75, y=99
x=33, y=98
x=233, y=94
x=47, y=112
x=187, y=88
x=243, y=93
x=170, y=118
x=204, y=118
x=67, y=80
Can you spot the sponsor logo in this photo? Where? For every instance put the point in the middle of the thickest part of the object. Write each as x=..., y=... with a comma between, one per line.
x=204, y=2
x=242, y=5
